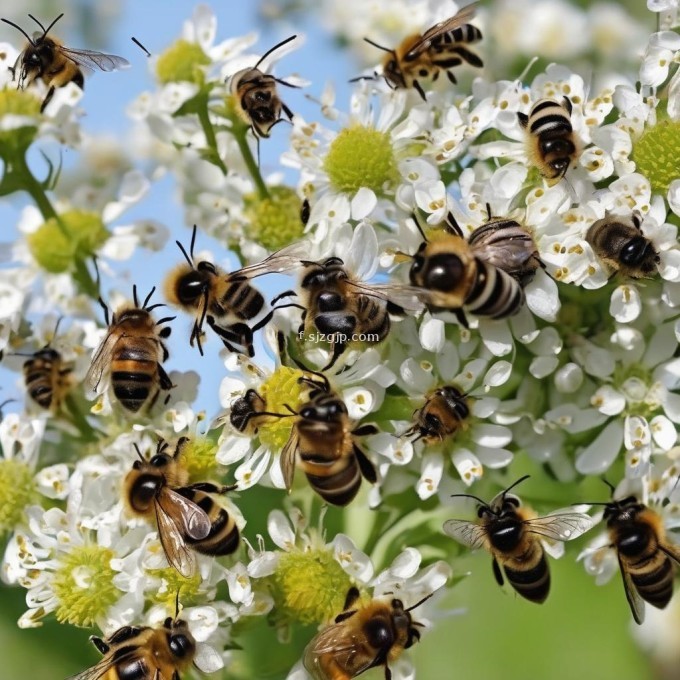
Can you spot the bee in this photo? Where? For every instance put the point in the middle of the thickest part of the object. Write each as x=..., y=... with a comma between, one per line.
x=188, y=519
x=454, y=275
x=619, y=243
x=342, y=308
x=131, y=353
x=362, y=637
x=218, y=298
x=551, y=143
x=46, y=376
x=144, y=653
x=507, y=245
x=444, y=412
x=47, y=58
x=422, y=57
x=647, y=559
x=324, y=441
x=256, y=96
x=513, y=534
x=246, y=412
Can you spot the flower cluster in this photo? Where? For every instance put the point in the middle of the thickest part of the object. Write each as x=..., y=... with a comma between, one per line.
x=478, y=279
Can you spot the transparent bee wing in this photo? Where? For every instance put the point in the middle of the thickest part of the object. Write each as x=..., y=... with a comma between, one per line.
x=288, y=459
x=101, y=361
x=442, y=27
x=409, y=298
x=207, y=659
x=637, y=604
x=101, y=669
x=94, y=60
x=341, y=642
x=173, y=525
x=468, y=533
x=560, y=526
x=282, y=260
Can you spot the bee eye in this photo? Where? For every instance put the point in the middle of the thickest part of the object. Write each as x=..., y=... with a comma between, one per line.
x=160, y=460
x=417, y=265
x=633, y=252
x=180, y=645
x=308, y=412
x=444, y=271
x=379, y=634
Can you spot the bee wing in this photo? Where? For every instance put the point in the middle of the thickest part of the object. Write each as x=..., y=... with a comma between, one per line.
x=468, y=533
x=560, y=526
x=409, y=298
x=94, y=60
x=338, y=640
x=105, y=664
x=176, y=517
x=511, y=256
x=282, y=260
x=425, y=42
x=100, y=361
x=637, y=605
x=288, y=458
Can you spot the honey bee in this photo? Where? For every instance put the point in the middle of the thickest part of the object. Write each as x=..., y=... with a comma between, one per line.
x=647, y=559
x=422, y=57
x=46, y=377
x=247, y=411
x=362, y=637
x=131, y=353
x=452, y=275
x=507, y=245
x=513, y=534
x=217, y=298
x=444, y=412
x=551, y=143
x=188, y=519
x=341, y=308
x=619, y=243
x=47, y=58
x=256, y=96
x=325, y=444
x=144, y=653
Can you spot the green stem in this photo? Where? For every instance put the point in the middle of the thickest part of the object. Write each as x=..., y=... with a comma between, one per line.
x=84, y=280
x=35, y=189
x=209, y=132
x=89, y=434
x=251, y=163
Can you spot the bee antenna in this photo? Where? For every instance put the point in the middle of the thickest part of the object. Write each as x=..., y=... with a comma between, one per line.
x=380, y=47
x=148, y=297
x=417, y=604
x=177, y=604
x=512, y=486
x=468, y=495
x=610, y=485
x=4, y=403
x=294, y=413
x=47, y=30
x=139, y=453
x=193, y=242
x=186, y=256
x=11, y=23
x=136, y=42
x=418, y=227
x=134, y=294
x=451, y=226
x=273, y=49
x=56, y=328
x=488, y=211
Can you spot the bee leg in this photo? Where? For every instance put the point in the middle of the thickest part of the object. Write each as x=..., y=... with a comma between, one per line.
x=268, y=317
x=338, y=349
x=283, y=82
x=101, y=646
x=166, y=383
x=462, y=319
x=451, y=77
x=352, y=596
x=419, y=90
x=388, y=672
x=48, y=98
x=367, y=468
x=209, y=487
x=497, y=572
x=286, y=110
x=288, y=293
x=365, y=430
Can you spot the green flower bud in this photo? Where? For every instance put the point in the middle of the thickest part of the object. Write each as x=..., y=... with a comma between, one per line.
x=182, y=61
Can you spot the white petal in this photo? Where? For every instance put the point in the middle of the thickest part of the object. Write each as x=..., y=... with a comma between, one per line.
x=663, y=432
x=498, y=374
x=494, y=457
x=542, y=296
x=541, y=367
x=232, y=449
x=597, y=457
x=486, y=434
x=53, y=481
x=569, y=378
x=625, y=304
x=431, y=334
x=609, y=401
x=405, y=564
x=356, y=563
x=496, y=336
x=363, y=203
x=636, y=432
x=203, y=622
x=249, y=473
x=468, y=466
x=430, y=476
x=279, y=528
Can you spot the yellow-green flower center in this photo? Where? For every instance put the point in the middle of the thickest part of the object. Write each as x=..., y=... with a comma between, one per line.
x=310, y=586
x=17, y=491
x=182, y=61
x=83, y=585
x=361, y=157
x=280, y=390
x=274, y=221
x=198, y=457
x=172, y=582
x=657, y=154
x=56, y=245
